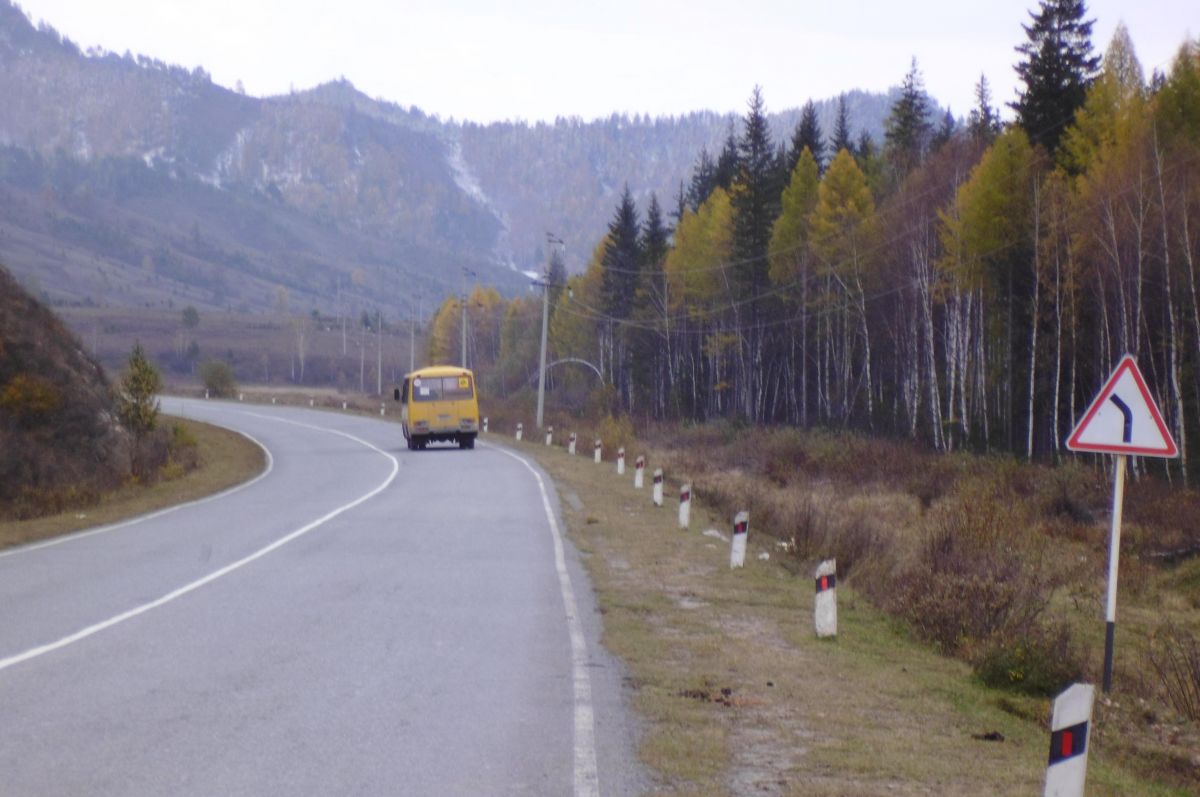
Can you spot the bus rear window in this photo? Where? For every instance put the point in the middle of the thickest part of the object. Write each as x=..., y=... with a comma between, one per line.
x=442, y=388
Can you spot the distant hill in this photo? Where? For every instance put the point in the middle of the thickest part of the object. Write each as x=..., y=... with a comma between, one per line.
x=125, y=181
x=59, y=433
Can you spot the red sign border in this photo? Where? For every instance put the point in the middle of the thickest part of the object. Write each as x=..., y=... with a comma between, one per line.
x=1128, y=363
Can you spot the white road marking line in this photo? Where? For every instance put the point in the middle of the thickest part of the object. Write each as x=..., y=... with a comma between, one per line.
x=91, y=630
x=587, y=778
x=79, y=535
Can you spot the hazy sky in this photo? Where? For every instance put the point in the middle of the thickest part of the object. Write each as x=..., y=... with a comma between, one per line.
x=538, y=59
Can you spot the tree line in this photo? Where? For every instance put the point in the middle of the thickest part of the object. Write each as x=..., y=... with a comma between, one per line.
x=967, y=284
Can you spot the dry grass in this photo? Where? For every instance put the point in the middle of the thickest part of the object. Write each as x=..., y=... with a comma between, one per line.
x=877, y=711
x=225, y=459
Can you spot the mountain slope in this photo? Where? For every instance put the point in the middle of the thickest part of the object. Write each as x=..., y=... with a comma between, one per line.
x=124, y=180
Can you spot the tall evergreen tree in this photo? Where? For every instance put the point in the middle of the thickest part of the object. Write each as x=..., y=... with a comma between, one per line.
x=755, y=199
x=681, y=204
x=908, y=129
x=704, y=180
x=807, y=134
x=756, y=191
x=622, y=259
x=983, y=123
x=727, y=162
x=944, y=133
x=841, y=130
x=654, y=240
x=1057, y=67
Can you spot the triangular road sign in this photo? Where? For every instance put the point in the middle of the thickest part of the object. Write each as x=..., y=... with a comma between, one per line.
x=1124, y=419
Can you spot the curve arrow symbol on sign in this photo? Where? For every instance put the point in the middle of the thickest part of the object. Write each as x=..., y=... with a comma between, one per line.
x=1127, y=434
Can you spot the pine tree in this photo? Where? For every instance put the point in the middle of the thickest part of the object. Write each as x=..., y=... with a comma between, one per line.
x=654, y=241
x=908, y=129
x=944, y=133
x=983, y=123
x=137, y=394
x=727, y=162
x=755, y=192
x=704, y=180
x=841, y=130
x=1056, y=70
x=755, y=198
x=807, y=134
x=137, y=402
x=622, y=259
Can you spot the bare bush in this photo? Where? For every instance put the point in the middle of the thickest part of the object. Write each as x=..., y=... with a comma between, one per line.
x=1175, y=655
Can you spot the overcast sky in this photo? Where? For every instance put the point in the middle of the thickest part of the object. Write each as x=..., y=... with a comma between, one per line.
x=540, y=59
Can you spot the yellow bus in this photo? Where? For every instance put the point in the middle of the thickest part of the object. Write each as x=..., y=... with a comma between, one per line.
x=438, y=404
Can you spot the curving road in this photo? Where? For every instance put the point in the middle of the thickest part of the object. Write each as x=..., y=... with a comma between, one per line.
x=361, y=620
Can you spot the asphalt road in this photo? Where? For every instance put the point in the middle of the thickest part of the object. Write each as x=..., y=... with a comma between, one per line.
x=360, y=620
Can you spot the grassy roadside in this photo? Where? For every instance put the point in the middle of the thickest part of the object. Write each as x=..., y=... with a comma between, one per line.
x=739, y=697
x=226, y=459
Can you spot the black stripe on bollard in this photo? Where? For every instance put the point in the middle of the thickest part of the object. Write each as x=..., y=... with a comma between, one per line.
x=1068, y=743
x=739, y=528
x=685, y=496
x=658, y=478
x=826, y=582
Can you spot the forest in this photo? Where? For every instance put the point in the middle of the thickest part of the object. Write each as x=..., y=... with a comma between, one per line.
x=968, y=284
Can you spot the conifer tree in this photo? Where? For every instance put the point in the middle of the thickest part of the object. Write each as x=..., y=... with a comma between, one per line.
x=841, y=130
x=704, y=180
x=1056, y=70
x=655, y=234
x=944, y=133
x=755, y=193
x=807, y=134
x=755, y=199
x=983, y=123
x=908, y=129
x=727, y=162
x=622, y=258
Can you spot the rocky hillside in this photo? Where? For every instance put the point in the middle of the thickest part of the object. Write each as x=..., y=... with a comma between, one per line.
x=59, y=433
x=127, y=181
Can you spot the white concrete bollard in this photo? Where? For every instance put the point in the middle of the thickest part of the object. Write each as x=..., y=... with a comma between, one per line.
x=825, y=606
x=1070, y=729
x=272, y=399
x=549, y=434
x=310, y=402
x=206, y=395
x=343, y=405
x=639, y=467
x=657, y=492
x=620, y=462
x=520, y=431
x=737, y=545
x=381, y=410
x=485, y=421
x=596, y=451
x=685, y=506
x=241, y=396
x=571, y=444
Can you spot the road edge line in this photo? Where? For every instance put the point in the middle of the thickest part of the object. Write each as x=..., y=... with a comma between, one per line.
x=587, y=779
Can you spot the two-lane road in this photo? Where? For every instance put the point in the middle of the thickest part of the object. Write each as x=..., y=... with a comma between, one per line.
x=359, y=620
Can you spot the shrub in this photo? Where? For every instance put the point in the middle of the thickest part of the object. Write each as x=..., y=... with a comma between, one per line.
x=616, y=432
x=1175, y=654
x=30, y=399
x=981, y=574
x=218, y=379
x=1041, y=663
